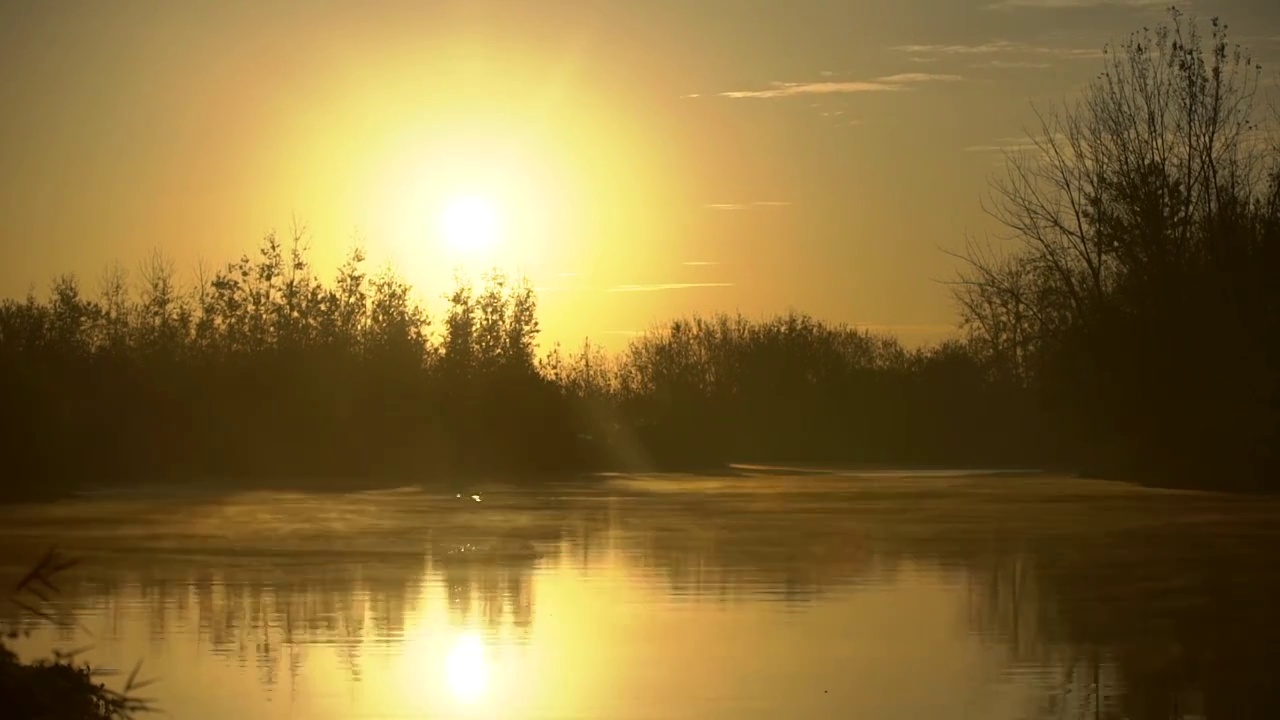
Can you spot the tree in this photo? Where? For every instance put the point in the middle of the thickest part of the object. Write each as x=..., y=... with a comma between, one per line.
x=1141, y=231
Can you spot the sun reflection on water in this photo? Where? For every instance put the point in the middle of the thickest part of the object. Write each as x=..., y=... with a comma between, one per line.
x=467, y=668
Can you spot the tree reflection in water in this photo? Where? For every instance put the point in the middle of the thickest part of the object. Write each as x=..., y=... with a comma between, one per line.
x=1136, y=603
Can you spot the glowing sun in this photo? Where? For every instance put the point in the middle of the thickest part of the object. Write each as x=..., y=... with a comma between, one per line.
x=469, y=224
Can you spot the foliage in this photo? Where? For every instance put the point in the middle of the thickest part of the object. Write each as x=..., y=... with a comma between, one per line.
x=261, y=371
x=1137, y=295
x=59, y=688
x=261, y=368
x=794, y=388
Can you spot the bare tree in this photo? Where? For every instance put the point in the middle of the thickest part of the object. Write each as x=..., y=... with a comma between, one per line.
x=1119, y=187
x=1139, y=229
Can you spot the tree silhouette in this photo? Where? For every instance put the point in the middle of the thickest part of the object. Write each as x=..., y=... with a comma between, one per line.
x=1135, y=292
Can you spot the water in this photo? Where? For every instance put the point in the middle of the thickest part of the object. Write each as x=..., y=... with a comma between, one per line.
x=763, y=595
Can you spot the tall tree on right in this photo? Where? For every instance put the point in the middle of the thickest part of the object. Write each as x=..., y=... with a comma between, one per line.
x=1135, y=288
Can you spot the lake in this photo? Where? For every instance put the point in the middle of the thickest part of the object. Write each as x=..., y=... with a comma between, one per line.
x=766, y=593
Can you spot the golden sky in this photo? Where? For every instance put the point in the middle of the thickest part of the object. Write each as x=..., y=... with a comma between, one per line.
x=643, y=158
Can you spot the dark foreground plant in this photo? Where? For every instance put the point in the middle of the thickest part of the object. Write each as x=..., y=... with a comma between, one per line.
x=59, y=688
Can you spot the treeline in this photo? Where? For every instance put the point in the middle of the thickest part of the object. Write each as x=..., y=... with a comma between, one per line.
x=1129, y=326
x=791, y=388
x=1139, y=298
x=263, y=370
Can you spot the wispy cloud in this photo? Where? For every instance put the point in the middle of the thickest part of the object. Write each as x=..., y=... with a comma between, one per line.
x=1013, y=65
x=652, y=287
x=781, y=89
x=1020, y=143
x=1005, y=144
x=748, y=206
x=903, y=78
x=888, y=83
x=700, y=263
x=999, y=47
x=1072, y=4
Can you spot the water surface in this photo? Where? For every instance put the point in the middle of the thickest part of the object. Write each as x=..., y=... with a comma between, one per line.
x=767, y=594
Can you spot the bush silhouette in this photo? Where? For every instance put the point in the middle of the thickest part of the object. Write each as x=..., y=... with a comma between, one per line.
x=262, y=372
x=59, y=687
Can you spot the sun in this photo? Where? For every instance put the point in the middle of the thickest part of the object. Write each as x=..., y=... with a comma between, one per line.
x=469, y=225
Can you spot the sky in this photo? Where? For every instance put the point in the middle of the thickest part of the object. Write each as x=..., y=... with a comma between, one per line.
x=641, y=158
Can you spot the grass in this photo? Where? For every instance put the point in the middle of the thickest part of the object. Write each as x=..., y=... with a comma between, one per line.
x=60, y=687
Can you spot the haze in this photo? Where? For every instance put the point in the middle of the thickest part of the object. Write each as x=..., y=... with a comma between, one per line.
x=655, y=158
x=635, y=359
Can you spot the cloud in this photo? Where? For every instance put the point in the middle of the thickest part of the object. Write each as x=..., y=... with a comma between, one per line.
x=1006, y=144
x=901, y=78
x=652, y=287
x=748, y=206
x=1015, y=144
x=1073, y=4
x=787, y=89
x=999, y=47
x=700, y=263
x=888, y=83
x=1012, y=64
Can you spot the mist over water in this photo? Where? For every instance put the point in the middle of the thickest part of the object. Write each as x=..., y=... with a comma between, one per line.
x=760, y=594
